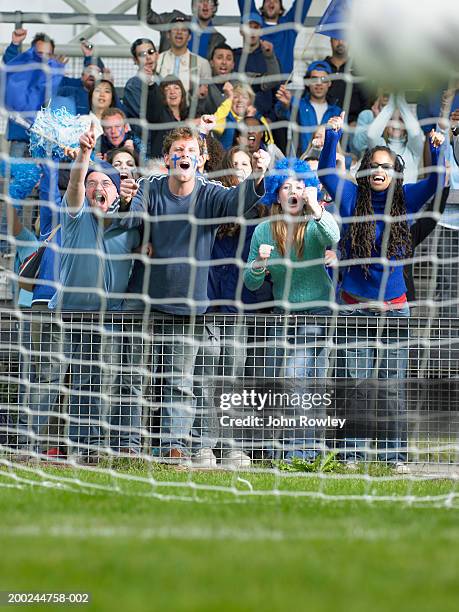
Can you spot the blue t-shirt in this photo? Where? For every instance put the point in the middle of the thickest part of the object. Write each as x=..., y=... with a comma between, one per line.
x=182, y=231
x=95, y=262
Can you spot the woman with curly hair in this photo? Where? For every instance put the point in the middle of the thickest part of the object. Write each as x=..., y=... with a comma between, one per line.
x=291, y=247
x=375, y=247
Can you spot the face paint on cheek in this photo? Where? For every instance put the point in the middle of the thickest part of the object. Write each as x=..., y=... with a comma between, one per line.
x=175, y=159
x=194, y=161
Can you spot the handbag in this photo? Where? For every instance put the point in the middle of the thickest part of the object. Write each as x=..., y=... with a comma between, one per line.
x=30, y=267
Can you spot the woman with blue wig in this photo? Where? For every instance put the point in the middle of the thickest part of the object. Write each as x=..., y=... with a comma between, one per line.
x=291, y=247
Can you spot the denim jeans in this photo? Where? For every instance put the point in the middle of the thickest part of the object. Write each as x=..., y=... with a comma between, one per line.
x=374, y=392
x=299, y=353
x=122, y=385
x=189, y=356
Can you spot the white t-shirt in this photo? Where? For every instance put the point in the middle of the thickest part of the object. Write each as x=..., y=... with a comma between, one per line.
x=320, y=108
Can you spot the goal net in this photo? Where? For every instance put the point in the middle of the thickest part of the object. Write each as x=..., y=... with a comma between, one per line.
x=213, y=282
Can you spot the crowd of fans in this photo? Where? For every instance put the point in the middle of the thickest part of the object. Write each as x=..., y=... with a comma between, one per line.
x=210, y=184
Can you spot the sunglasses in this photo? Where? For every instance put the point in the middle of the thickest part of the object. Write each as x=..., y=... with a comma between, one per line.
x=317, y=80
x=375, y=166
x=145, y=53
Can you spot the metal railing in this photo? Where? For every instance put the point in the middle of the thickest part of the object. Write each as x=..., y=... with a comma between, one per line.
x=126, y=381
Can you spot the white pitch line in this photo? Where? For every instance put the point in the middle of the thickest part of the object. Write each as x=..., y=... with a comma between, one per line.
x=202, y=533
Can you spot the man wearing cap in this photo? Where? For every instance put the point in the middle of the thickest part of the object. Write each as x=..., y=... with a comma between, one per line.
x=282, y=39
x=203, y=39
x=194, y=71
x=95, y=265
x=258, y=61
x=312, y=109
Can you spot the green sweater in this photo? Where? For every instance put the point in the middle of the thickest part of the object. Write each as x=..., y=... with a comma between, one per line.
x=299, y=284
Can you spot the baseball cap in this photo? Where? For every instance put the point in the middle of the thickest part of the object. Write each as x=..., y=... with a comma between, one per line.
x=319, y=65
x=255, y=17
x=106, y=168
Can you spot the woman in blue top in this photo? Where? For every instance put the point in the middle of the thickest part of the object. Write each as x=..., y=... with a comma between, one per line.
x=371, y=287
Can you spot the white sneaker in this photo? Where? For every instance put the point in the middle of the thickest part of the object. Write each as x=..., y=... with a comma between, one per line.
x=402, y=468
x=352, y=466
x=204, y=458
x=236, y=460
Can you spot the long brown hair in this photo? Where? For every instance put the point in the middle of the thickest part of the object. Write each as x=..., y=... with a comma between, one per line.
x=288, y=235
x=170, y=80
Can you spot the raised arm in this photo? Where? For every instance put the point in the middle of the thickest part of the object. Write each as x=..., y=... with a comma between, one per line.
x=325, y=226
x=379, y=124
x=75, y=193
x=455, y=130
x=294, y=11
x=146, y=13
x=247, y=6
x=343, y=191
x=415, y=134
x=417, y=194
x=270, y=79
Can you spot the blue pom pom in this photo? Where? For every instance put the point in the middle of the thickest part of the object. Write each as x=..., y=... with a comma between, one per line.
x=54, y=129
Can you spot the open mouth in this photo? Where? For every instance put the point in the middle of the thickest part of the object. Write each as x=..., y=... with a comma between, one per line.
x=292, y=201
x=378, y=179
x=184, y=165
x=99, y=198
x=251, y=138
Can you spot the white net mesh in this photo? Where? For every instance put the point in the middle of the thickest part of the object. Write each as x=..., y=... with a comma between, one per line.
x=159, y=354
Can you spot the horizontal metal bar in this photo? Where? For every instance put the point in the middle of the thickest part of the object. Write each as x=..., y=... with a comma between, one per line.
x=111, y=19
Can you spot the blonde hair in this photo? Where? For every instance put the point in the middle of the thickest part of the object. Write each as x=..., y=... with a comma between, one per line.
x=244, y=88
x=287, y=236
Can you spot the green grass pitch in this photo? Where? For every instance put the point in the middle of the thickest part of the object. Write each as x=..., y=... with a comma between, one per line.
x=138, y=541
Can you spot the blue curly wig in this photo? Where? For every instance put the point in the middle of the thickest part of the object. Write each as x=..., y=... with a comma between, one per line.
x=23, y=176
x=284, y=169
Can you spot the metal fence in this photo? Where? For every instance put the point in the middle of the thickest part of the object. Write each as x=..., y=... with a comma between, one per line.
x=267, y=387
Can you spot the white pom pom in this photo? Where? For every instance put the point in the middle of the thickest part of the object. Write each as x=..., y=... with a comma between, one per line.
x=405, y=44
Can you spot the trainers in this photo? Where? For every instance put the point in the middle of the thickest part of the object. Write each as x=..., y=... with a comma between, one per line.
x=236, y=459
x=402, y=468
x=352, y=466
x=204, y=458
x=176, y=457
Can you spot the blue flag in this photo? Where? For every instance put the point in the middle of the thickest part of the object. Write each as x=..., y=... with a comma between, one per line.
x=334, y=21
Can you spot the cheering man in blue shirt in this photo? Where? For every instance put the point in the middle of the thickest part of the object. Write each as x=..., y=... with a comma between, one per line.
x=184, y=211
x=95, y=266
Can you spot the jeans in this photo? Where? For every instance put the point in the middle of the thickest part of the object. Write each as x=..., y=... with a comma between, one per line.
x=371, y=387
x=299, y=353
x=122, y=384
x=46, y=397
x=189, y=356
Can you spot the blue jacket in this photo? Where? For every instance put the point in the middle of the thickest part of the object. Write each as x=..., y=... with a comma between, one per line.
x=27, y=91
x=306, y=117
x=49, y=218
x=282, y=40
